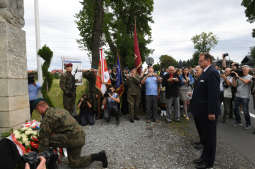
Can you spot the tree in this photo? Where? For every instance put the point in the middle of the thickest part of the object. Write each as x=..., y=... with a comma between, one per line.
x=250, y=12
x=118, y=28
x=204, y=42
x=195, y=58
x=156, y=67
x=252, y=53
x=166, y=61
x=90, y=24
x=46, y=53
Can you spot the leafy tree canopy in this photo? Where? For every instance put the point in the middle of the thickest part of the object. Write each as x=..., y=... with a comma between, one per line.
x=204, y=42
x=118, y=28
x=166, y=61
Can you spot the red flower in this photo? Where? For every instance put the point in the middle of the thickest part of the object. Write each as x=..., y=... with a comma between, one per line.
x=35, y=139
x=34, y=145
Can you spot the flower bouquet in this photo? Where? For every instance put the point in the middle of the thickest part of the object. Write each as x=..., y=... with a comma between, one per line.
x=26, y=138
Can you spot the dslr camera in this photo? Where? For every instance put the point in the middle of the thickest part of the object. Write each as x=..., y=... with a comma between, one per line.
x=33, y=159
x=225, y=55
x=108, y=93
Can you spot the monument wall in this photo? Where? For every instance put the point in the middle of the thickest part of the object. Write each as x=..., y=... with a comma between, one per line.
x=14, y=102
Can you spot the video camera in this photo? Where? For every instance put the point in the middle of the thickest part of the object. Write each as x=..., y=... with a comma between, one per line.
x=33, y=159
x=238, y=71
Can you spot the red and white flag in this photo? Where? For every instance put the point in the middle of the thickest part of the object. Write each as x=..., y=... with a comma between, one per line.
x=103, y=76
x=138, y=59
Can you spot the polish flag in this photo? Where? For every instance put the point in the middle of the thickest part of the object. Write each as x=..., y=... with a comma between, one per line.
x=103, y=77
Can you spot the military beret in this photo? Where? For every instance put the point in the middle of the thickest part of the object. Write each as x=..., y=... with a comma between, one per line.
x=68, y=65
x=35, y=102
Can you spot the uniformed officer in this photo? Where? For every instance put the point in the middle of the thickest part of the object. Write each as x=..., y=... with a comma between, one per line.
x=93, y=93
x=59, y=129
x=134, y=94
x=67, y=84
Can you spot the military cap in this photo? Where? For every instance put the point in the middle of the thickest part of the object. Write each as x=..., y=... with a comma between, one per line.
x=68, y=65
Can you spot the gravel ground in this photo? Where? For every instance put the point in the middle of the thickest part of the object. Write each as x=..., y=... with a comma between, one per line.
x=152, y=146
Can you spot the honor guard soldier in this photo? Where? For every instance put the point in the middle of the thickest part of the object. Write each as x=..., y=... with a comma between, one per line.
x=67, y=84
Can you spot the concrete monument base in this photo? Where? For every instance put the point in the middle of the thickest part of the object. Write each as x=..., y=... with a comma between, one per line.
x=14, y=102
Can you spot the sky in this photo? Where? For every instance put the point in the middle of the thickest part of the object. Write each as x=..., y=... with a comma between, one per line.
x=175, y=23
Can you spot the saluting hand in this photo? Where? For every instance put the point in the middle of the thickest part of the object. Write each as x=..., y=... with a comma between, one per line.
x=211, y=117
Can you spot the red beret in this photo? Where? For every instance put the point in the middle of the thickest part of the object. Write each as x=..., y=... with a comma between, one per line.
x=68, y=65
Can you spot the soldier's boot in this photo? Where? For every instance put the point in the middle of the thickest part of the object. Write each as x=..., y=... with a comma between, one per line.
x=101, y=156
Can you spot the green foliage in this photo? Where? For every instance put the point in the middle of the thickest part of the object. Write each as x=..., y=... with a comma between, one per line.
x=252, y=53
x=166, y=61
x=46, y=54
x=249, y=9
x=204, y=42
x=118, y=28
x=250, y=12
x=156, y=67
x=195, y=58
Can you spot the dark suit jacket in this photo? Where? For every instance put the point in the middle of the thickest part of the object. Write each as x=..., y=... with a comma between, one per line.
x=206, y=94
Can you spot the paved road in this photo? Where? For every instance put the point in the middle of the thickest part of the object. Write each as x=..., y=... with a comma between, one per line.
x=243, y=141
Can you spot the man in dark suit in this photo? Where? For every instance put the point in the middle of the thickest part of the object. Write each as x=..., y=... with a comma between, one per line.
x=206, y=107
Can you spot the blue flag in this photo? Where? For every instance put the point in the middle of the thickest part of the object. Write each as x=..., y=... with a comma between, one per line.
x=119, y=82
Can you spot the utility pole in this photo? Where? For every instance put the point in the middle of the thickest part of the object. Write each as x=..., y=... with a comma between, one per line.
x=38, y=44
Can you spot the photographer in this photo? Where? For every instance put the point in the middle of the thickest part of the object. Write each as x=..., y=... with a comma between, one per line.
x=243, y=84
x=86, y=112
x=42, y=164
x=227, y=93
x=112, y=108
x=151, y=81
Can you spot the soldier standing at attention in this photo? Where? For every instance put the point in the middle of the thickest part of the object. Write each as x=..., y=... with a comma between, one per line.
x=59, y=129
x=134, y=94
x=67, y=84
x=93, y=93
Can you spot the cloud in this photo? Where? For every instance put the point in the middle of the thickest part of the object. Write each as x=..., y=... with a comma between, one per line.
x=176, y=21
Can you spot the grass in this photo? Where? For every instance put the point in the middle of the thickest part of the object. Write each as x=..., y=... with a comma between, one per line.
x=56, y=96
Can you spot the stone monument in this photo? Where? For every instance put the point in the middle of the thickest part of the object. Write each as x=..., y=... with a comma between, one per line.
x=14, y=104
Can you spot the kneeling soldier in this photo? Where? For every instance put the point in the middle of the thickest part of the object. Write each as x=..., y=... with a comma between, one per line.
x=59, y=129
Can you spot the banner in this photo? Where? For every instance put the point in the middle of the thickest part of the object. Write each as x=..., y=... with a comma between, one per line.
x=103, y=77
x=138, y=59
x=119, y=82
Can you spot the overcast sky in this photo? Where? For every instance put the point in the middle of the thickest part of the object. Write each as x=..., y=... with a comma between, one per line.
x=175, y=22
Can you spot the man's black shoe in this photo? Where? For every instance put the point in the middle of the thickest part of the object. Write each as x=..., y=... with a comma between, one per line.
x=153, y=120
x=198, y=161
x=136, y=118
x=103, y=158
x=131, y=120
x=198, y=147
x=203, y=166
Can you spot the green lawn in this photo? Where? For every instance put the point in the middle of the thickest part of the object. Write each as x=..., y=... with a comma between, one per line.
x=56, y=96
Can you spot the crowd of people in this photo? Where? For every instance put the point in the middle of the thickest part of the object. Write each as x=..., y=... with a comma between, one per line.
x=172, y=95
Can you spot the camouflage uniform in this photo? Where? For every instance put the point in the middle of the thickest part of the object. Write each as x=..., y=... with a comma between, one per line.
x=59, y=129
x=133, y=95
x=93, y=91
x=67, y=84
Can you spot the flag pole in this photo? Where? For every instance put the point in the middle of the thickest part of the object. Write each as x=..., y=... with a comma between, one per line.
x=38, y=45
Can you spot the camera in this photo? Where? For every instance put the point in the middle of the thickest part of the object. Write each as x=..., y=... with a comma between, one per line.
x=108, y=93
x=238, y=71
x=33, y=159
x=225, y=55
